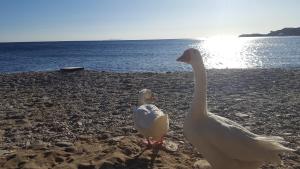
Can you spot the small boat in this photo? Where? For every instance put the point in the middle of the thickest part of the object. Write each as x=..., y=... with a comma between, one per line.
x=71, y=69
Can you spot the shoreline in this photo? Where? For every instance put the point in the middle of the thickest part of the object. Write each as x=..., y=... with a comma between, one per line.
x=137, y=72
x=41, y=109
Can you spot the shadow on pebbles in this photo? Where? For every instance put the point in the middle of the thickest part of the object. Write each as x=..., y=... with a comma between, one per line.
x=117, y=152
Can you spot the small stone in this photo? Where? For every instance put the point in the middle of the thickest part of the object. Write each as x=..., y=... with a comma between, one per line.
x=70, y=159
x=170, y=146
x=202, y=164
x=126, y=129
x=105, y=136
x=248, y=127
x=117, y=139
x=85, y=137
x=3, y=152
x=287, y=134
x=298, y=150
x=59, y=159
x=86, y=166
x=31, y=156
x=39, y=145
x=181, y=142
x=64, y=144
x=22, y=121
x=241, y=115
x=79, y=123
x=22, y=163
x=28, y=143
x=11, y=156
x=70, y=149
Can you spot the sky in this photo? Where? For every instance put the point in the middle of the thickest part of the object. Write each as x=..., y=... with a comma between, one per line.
x=68, y=20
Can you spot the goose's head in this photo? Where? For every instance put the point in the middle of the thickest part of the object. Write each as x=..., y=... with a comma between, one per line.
x=190, y=56
x=146, y=96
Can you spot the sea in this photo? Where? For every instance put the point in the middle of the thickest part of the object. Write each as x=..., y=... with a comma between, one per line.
x=150, y=55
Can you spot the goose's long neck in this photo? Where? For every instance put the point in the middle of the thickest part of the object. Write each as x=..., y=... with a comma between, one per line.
x=199, y=105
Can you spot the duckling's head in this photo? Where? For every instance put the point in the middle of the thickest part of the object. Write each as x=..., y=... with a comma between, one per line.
x=190, y=56
x=146, y=96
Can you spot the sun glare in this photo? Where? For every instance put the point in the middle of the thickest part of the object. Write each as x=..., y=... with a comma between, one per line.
x=223, y=51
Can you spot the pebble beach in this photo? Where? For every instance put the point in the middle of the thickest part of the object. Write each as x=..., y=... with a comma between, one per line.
x=83, y=119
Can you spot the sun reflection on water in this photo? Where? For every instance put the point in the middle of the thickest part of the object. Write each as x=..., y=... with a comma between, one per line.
x=229, y=52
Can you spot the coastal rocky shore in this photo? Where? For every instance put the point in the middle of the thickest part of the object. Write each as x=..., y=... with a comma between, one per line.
x=83, y=119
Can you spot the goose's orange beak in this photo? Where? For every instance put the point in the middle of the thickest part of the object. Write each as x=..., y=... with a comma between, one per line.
x=184, y=58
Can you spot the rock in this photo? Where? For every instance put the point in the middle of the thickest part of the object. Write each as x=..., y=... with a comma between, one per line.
x=170, y=146
x=241, y=115
x=22, y=121
x=70, y=159
x=298, y=150
x=27, y=143
x=39, y=145
x=47, y=101
x=48, y=104
x=117, y=139
x=84, y=137
x=64, y=144
x=239, y=99
x=105, y=136
x=181, y=142
x=86, y=166
x=201, y=164
x=59, y=159
x=3, y=152
x=287, y=134
x=13, y=115
x=22, y=163
x=126, y=129
x=11, y=156
x=70, y=149
x=31, y=156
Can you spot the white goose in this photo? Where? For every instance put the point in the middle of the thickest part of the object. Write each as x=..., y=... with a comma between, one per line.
x=149, y=120
x=224, y=143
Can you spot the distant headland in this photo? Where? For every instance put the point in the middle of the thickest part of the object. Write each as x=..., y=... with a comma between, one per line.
x=282, y=32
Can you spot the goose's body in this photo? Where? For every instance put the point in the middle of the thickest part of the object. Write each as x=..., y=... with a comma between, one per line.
x=149, y=120
x=224, y=143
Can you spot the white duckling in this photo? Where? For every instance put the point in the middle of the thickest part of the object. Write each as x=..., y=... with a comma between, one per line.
x=224, y=143
x=149, y=120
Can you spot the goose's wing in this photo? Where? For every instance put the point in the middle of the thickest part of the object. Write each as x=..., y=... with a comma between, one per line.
x=237, y=142
x=145, y=115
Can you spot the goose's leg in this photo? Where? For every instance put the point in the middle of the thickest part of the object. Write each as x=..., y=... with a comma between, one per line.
x=149, y=142
x=160, y=141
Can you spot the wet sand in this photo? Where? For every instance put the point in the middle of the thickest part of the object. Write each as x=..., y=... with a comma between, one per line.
x=84, y=119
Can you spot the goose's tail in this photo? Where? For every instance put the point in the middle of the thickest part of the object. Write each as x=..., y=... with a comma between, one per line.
x=163, y=121
x=272, y=145
x=161, y=126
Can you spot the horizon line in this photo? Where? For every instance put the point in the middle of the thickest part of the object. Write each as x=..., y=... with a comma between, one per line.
x=101, y=40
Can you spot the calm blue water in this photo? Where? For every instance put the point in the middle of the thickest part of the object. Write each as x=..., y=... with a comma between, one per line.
x=150, y=55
